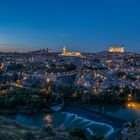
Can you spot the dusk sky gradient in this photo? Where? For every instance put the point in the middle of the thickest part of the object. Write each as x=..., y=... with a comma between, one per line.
x=82, y=25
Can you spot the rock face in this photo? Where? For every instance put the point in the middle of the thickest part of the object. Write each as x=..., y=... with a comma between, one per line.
x=131, y=131
x=10, y=130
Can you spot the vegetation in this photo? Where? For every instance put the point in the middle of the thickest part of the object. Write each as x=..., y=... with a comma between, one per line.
x=77, y=133
x=24, y=98
x=78, y=94
x=133, y=123
x=70, y=67
x=80, y=133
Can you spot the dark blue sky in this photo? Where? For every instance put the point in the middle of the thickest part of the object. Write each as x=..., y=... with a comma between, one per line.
x=82, y=25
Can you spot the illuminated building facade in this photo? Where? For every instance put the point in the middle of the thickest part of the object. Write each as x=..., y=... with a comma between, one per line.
x=65, y=53
x=117, y=49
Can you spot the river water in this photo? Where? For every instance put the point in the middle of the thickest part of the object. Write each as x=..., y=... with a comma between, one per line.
x=68, y=120
x=123, y=112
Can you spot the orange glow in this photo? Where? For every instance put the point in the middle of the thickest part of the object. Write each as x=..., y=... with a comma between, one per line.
x=133, y=105
x=49, y=119
x=129, y=105
x=4, y=91
x=48, y=80
x=129, y=95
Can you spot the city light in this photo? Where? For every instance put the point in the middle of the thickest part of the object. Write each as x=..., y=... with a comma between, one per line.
x=48, y=80
x=133, y=105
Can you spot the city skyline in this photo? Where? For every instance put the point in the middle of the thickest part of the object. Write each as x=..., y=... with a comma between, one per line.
x=85, y=26
x=25, y=48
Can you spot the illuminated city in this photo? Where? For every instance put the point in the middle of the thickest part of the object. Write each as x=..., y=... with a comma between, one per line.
x=65, y=53
x=88, y=89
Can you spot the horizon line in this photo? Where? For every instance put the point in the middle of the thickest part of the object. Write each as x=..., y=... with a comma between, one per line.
x=15, y=47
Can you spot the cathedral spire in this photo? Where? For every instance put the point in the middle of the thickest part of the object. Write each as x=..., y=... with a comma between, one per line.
x=64, y=50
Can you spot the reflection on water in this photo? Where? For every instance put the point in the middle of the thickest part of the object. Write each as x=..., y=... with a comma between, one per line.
x=126, y=112
x=134, y=105
x=48, y=118
x=67, y=121
x=34, y=121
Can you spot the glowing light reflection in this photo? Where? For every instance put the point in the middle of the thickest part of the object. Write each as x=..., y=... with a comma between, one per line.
x=133, y=105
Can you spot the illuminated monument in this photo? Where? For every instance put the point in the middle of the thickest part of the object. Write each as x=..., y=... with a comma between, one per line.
x=117, y=49
x=65, y=53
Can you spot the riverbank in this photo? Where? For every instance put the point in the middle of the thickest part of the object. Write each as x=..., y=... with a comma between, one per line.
x=131, y=130
x=24, y=111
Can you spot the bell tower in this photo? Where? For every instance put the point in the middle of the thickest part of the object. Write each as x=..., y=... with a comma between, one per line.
x=64, y=50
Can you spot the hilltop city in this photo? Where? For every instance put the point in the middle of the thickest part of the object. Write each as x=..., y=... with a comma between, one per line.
x=95, y=72
x=44, y=81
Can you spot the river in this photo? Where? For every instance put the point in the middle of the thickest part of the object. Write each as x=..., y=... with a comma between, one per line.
x=74, y=117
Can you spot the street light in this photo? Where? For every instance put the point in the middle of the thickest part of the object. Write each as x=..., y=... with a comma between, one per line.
x=48, y=80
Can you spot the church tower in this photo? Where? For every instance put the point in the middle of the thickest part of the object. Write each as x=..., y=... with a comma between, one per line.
x=64, y=50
